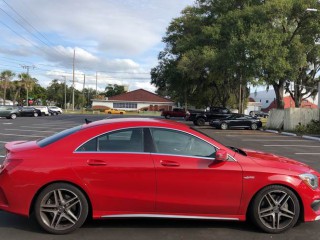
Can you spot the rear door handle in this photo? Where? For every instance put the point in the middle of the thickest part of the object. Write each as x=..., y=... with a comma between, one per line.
x=169, y=163
x=96, y=162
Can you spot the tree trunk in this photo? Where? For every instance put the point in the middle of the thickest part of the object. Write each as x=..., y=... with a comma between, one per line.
x=278, y=89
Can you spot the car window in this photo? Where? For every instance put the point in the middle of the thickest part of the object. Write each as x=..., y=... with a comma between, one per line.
x=125, y=140
x=179, y=143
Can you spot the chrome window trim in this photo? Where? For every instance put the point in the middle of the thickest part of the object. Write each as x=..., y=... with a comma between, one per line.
x=110, y=152
x=167, y=216
x=76, y=150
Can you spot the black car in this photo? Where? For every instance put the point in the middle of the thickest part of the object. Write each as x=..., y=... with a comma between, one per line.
x=237, y=121
x=199, y=118
x=29, y=112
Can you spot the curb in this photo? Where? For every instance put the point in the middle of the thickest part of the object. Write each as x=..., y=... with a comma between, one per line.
x=271, y=131
x=310, y=138
x=288, y=134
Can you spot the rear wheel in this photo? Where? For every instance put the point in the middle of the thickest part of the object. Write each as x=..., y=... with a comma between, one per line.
x=275, y=209
x=224, y=126
x=109, y=112
x=35, y=114
x=167, y=116
x=200, y=121
x=254, y=126
x=61, y=208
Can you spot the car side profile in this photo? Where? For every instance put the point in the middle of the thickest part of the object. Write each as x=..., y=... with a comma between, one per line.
x=114, y=111
x=137, y=167
x=237, y=121
x=9, y=112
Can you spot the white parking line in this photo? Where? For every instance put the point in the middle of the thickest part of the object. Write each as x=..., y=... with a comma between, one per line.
x=7, y=123
x=273, y=140
x=2, y=156
x=3, y=142
x=24, y=130
x=9, y=134
x=42, y=127
x=291, y=146
x=307, y=153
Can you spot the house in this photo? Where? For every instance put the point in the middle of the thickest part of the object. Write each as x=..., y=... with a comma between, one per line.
x=139, y=99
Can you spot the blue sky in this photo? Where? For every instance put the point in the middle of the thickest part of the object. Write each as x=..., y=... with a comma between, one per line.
x=118, y=39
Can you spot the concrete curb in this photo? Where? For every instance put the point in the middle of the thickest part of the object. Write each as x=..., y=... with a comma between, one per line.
x=288, y=134
x=310, y=138
x=271, y=131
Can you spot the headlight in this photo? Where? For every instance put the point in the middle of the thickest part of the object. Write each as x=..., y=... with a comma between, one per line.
x=310, y=179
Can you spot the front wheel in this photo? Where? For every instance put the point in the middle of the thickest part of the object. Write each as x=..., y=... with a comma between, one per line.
x=167, y=116
x=200, y=121
x=254, y=126
x=275, y=209
x=35, y=114
x=61, y=208
x=224, y=126
x=13, y=116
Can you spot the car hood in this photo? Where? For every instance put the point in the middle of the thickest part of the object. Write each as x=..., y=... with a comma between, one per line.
x=275, y=161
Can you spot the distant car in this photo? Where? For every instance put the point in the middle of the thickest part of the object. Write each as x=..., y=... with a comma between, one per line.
x=114, y=111
x=9, y=112
x=237, y=121
x=55, y=109
x=199, y=118
x=176, y=112
x=44, y=110
x=259, y=114
x=29, y=112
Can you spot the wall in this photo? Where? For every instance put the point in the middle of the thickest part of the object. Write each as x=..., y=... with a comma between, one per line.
x=288, y=119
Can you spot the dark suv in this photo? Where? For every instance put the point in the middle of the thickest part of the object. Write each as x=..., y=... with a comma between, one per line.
x=9, y=112
x=199, y=118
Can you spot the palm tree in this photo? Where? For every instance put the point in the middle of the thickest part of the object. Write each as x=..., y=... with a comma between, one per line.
x=6, y=77
x=28, y=84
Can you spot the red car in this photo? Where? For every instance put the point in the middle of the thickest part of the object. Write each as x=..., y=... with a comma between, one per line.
x=152, y=168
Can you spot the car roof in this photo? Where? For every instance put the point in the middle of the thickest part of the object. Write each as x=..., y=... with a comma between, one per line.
x=137, y=122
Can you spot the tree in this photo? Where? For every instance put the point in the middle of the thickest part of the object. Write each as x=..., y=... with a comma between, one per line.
x=27, y=83
x=114, y=89
x=6, y=76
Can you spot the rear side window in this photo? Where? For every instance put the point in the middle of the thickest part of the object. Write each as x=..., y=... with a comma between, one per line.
x=46, y=141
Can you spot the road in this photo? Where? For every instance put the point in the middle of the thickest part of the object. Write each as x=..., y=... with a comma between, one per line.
x=17, y=227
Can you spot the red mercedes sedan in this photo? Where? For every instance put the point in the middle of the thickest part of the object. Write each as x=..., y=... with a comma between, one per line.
x=152, y=168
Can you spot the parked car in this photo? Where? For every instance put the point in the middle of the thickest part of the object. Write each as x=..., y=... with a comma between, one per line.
x=237, y=121
x=44, y=110
x=199, y=118
x=29, y=112
x=176, y=112
x=9, y=112
x=114, y=111
x=141, y=167
x=259, y=114
x=55, y=109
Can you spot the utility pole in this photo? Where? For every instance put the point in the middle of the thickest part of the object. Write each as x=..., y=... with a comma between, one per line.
x=84, y=84
x=65, y=92
x=96, y=83
x=74, y=57
x=27, y=87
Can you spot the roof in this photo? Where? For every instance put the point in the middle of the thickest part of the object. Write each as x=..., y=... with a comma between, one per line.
x=139, y=95
x=289, y=103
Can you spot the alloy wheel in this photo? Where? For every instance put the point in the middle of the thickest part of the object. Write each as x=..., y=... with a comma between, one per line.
x=254, y=126
x=224, y=126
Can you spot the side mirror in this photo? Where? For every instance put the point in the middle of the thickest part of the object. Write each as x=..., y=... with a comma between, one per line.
x=221, y=155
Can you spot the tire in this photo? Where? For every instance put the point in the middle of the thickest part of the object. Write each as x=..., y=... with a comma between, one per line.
x=201, y=121
x=121, y=112
x=275, y=209
x=224, y=126
x=61, y=208
x=195, y=123
x=55, y=114
x=109, y=112
x=13, y=116
x=254, y=126
x=167, y=116
x=35, y=114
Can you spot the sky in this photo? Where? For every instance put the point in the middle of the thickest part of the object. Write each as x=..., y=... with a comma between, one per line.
x=115, y=41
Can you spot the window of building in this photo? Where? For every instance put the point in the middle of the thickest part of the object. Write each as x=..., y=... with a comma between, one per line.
x=124, y=105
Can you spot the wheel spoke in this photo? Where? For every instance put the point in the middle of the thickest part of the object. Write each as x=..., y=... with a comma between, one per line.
x=60, y=196
x=68, y=212
x=68, y=218
x=271, y=200
x=287, y=213
x=266, y=213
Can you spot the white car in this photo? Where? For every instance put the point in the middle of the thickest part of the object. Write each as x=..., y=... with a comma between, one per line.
x=44, y=110
x=55, y=109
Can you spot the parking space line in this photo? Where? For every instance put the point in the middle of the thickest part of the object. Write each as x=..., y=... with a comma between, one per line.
x=254, y=135
x=2, y=156
x=274, y=140
x=3, y=142
x=307, y=153
x=292, y=146
x=43, y=127
x=9, y=134
x=24, y=130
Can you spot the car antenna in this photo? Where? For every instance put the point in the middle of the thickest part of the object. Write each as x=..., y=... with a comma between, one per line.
x=87, y=121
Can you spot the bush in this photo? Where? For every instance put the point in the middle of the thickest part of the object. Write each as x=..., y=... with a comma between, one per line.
x=311, y=128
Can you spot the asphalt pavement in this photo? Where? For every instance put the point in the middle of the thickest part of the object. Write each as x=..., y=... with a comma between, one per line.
x=29, y=128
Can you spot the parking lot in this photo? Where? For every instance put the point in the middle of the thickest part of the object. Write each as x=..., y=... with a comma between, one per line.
x=29, y=128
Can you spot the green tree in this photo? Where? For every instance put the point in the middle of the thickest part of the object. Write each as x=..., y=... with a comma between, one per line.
x=114, y=89
x=6, y=77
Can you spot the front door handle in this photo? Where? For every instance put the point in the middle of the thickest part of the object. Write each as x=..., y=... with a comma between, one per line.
x=96, y=162
x=169, y=163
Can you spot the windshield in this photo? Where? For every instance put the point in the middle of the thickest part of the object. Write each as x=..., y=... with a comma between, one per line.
x=48, y=140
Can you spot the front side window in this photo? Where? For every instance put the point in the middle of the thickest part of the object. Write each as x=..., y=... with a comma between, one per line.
x=180, y=143
x=125, y=140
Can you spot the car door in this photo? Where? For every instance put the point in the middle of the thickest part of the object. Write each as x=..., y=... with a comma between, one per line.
x=189, y=180
x=117, y=171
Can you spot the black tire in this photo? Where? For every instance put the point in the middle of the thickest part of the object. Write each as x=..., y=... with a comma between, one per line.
x=35, y=114
x=109, y=112
x=61, y=208
x=275, y=209
x=224, y=126
x=167, y=116
x=121, y=112
x=254, y=126
x=201, y=121
x=13, y=116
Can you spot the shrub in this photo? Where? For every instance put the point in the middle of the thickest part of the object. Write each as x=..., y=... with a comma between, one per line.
x=311, y=128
